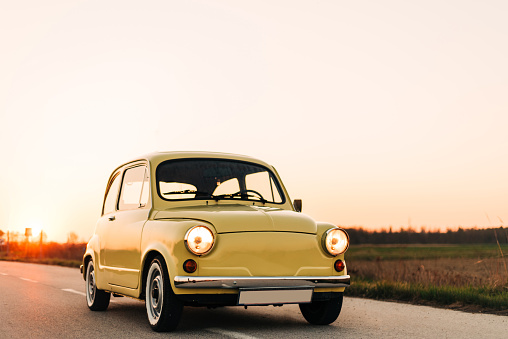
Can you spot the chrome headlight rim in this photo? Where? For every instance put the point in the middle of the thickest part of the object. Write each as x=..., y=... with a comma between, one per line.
x=325, y=236
x=186, y=237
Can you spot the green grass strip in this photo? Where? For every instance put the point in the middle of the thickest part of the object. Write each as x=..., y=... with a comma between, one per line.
x=442, y=295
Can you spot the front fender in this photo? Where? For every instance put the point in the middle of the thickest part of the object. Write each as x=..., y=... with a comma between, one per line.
x=166, y=237
x=322, y=227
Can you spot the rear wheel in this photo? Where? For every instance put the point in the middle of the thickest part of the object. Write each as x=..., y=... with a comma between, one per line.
x=162, y=306
x=97, y=300
x=322, y=312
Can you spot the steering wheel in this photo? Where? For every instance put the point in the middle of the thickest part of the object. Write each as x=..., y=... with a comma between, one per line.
x=241, y=192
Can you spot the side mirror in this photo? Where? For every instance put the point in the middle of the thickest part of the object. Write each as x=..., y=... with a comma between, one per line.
x=298, y=205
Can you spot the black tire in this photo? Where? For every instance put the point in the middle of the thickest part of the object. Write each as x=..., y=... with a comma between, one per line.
x=163, y=308
x=97, y=300
x=322, y=312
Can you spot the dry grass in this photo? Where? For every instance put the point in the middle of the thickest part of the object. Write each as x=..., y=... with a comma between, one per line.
x=488, y=272
x=467, y=277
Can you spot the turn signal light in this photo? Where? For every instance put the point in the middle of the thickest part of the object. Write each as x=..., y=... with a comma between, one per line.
x=190, y=266
x=339, y=265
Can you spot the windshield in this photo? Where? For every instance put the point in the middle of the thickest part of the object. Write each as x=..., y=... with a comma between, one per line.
x=217, y=179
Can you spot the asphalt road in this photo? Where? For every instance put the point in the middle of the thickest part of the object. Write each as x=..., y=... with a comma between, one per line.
x=38, y=301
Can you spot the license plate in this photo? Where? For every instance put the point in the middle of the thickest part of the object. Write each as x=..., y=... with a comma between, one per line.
x=280, y=296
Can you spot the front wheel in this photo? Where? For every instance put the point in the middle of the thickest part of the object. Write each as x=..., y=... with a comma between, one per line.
x=322, y=312
x=97, y=300
x=162, y=306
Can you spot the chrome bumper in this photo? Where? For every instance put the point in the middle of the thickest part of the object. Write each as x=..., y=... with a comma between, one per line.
x=267, y=282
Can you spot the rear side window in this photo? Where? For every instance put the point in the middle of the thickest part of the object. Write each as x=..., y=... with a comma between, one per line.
x=112, y=195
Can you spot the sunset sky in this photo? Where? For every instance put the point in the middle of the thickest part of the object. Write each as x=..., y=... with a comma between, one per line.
x=375, y=113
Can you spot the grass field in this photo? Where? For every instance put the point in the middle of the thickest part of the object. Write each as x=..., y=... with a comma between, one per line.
x=473, y=277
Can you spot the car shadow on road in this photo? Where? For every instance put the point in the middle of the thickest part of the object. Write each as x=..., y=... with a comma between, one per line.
x=258, y=321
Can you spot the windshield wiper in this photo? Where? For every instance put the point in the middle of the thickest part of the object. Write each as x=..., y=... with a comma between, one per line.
x=240, y=194
x=188, y=192
x=222, y=196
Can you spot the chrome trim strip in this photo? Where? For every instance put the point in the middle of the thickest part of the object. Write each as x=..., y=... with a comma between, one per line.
x=246, y=282
x=119, y=269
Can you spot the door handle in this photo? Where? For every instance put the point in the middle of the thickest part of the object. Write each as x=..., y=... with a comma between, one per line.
x=111, y=218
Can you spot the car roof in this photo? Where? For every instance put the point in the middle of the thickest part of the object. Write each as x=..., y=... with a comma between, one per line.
x=157, y=157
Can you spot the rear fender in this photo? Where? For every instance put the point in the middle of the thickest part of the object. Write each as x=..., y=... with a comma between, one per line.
x=92, y=252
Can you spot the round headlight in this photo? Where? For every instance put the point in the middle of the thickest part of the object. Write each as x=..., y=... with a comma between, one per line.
x=199, y=240
x=335, y=241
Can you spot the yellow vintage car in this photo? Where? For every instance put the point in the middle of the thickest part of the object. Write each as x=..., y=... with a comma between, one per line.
x=211, y=229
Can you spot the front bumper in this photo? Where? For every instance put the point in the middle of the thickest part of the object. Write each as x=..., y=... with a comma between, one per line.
x=261, y=282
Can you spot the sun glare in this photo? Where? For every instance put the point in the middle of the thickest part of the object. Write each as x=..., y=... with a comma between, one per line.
x=35, y=230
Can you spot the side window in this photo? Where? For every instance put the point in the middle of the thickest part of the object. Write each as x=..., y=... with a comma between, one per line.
x=111, y=195
x=132, y=185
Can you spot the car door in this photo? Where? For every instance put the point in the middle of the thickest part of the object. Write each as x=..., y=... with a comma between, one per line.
x=108, y=209
x=125, y=226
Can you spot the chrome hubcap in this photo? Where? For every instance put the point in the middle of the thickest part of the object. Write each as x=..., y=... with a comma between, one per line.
x=91, y=284
x=154, y=293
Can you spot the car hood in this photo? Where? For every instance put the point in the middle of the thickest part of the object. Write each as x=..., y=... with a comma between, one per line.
x=242, y=218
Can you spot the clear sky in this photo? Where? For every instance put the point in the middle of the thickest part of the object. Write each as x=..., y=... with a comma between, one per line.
x=375, y=113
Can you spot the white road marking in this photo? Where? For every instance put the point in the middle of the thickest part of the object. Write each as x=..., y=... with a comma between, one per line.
x=74, y=291
x=80, y=293
x=230, y=334
x=30, y=280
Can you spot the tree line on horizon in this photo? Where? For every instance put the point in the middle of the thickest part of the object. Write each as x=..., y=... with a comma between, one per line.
x=20, y=246
x=359, y=236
